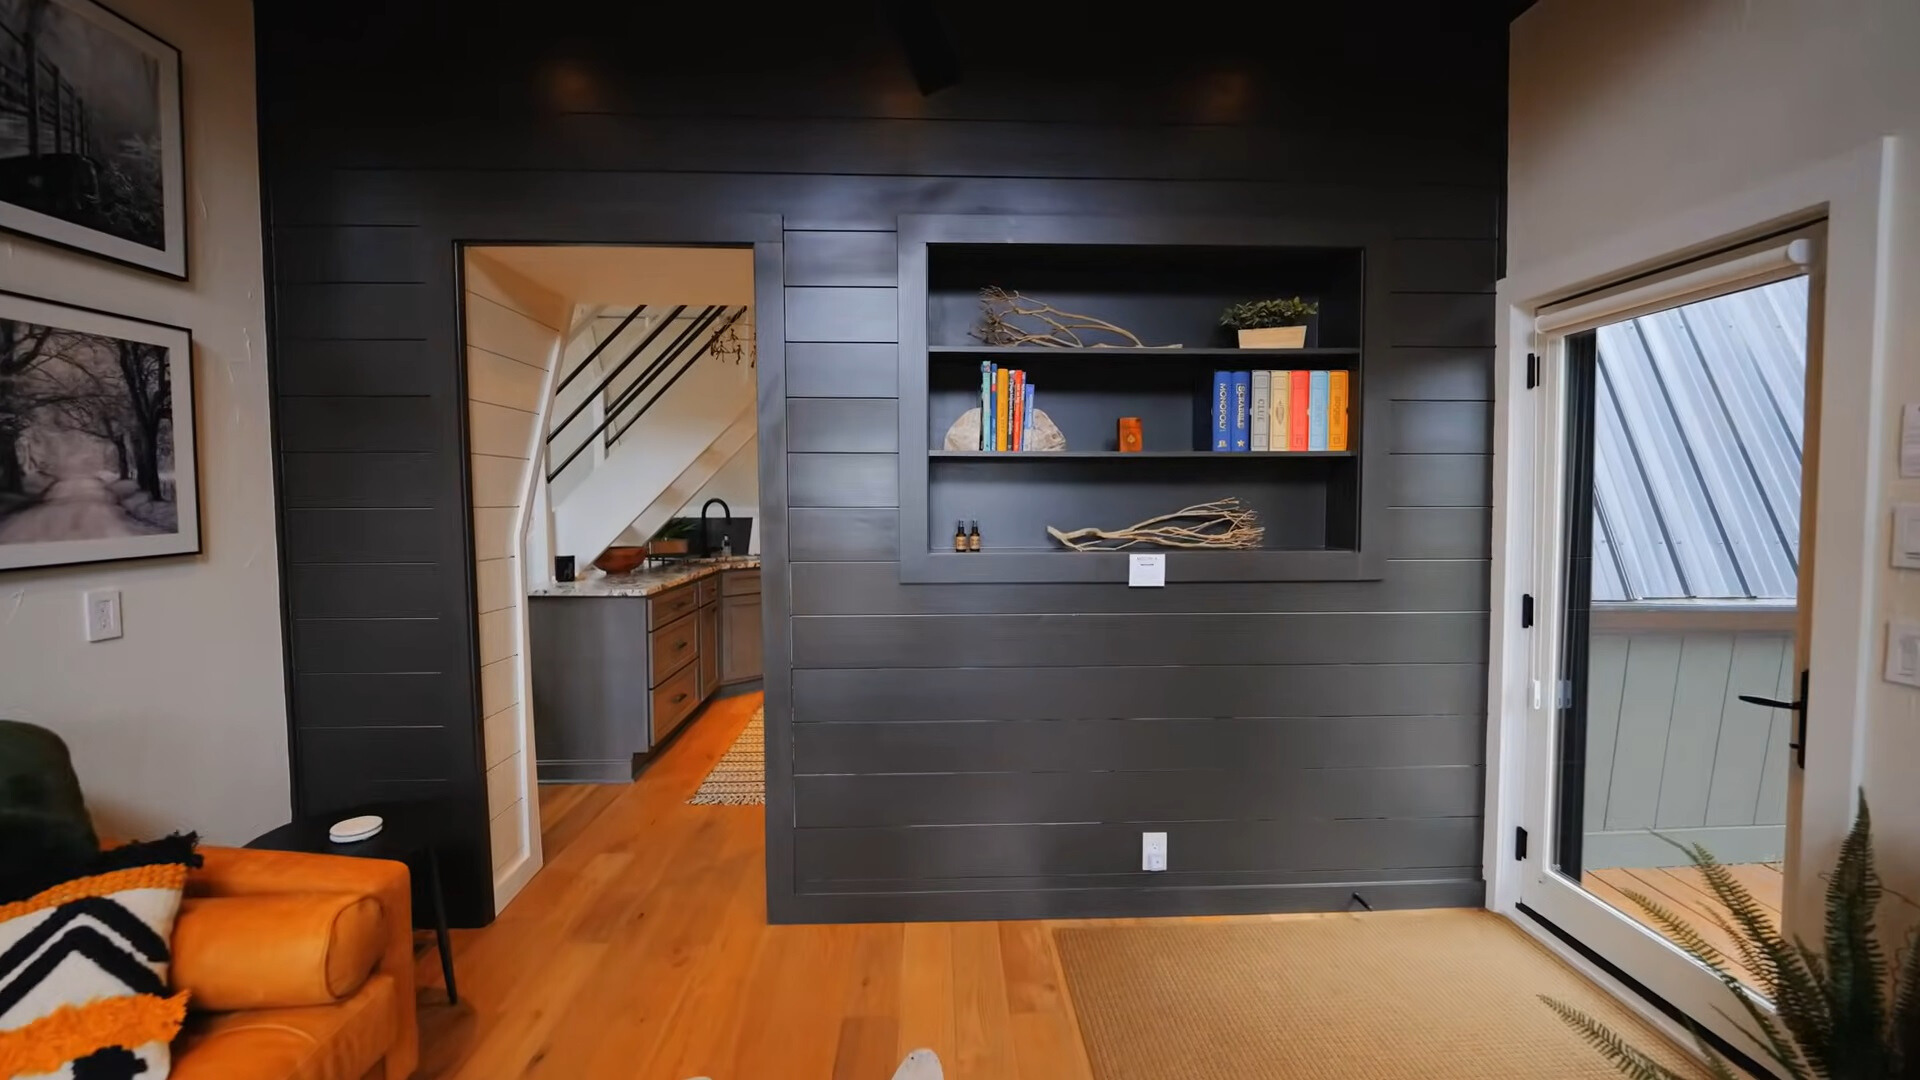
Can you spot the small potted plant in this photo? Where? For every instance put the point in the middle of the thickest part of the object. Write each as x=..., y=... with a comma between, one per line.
x=1271, y=324
x=672, y=539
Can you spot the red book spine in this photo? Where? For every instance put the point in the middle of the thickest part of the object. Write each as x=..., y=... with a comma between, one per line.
x=1302, y=390
x=1018, y=407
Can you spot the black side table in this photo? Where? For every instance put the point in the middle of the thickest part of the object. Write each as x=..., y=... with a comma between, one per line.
x=407, y=835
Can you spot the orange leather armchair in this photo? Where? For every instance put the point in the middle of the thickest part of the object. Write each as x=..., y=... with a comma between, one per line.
x=300, y=967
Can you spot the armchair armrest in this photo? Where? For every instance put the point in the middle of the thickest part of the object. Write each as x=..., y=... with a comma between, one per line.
x=250, y=872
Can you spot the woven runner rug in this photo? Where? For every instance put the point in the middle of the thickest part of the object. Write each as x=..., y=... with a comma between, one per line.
x=739, y=778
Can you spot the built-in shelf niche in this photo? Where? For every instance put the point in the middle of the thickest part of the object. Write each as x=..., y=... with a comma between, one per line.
x=1168, y=283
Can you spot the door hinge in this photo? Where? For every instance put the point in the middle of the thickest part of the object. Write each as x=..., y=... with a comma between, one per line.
x=1526, y=610
x=1519, y=844
x=1533, y=370
x=1566, y=694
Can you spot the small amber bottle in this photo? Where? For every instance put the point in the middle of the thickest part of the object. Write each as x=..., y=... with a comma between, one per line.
x=960, y=535
x=973, y=538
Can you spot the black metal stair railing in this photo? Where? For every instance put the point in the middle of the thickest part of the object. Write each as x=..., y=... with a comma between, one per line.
x=665, y=361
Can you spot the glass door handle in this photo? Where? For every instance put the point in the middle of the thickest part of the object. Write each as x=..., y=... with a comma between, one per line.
x=1799, y=707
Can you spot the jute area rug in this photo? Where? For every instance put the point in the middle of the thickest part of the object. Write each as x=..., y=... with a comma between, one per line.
x=739, y=778
x=1429, y=995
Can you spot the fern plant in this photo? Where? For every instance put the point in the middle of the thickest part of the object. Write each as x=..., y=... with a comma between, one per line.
x=1846, y=1013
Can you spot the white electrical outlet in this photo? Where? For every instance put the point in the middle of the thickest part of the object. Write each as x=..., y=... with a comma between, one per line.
x=103, y=614
x=1153, y=851
x=1906, y=536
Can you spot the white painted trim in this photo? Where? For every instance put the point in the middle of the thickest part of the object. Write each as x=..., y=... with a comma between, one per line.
x=1855, y=192
x=509, y=880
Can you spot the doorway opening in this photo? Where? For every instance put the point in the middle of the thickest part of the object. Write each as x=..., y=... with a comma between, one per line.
x=612, y=426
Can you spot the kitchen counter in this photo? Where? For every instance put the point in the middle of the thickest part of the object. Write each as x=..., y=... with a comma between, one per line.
x=647, y=582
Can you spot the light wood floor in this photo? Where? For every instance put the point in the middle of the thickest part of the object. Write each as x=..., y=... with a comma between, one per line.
x=1682, y=890
x=641, y=950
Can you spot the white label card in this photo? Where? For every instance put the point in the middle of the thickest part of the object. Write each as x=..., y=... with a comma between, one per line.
x=1146, y=571
x=1910, y=441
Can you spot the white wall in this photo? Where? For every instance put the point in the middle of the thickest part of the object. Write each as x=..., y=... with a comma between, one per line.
x=514, y=329
x=737, y=482
x=182, y=723
x=1627, y=113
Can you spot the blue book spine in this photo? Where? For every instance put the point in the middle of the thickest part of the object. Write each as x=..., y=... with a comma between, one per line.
x=1317, y=411
x=1242, y=416
x=986, y=404
x=1026, y=415
x=1223, y=410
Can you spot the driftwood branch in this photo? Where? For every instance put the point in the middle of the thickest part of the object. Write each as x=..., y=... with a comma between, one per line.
x=1055, y=329
x=1223, y=523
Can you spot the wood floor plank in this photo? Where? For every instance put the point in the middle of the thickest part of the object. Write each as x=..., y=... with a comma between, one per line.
x=984, y=1044
x=926, y=990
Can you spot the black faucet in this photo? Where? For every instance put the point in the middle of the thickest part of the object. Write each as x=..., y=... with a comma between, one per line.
x=706, y=541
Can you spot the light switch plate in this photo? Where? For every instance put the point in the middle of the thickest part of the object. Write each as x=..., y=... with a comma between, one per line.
x=1903, y=652
x=103, y=614
x=1906, y=536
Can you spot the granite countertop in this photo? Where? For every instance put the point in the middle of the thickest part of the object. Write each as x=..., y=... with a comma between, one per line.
x=646, y=582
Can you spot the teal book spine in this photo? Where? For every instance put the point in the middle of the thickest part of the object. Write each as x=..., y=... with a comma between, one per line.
x=1026, y=415
x=986, y=405
x=1317, y=411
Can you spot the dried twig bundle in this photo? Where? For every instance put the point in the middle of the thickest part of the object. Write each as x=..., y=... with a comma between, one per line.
x=1056, y=329
x=1223, y=523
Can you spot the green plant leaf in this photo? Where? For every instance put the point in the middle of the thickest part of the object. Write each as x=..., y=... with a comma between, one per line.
x=1624, y=1056
x=1856, y=965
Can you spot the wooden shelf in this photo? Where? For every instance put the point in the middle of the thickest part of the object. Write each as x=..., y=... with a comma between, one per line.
x=1086, y=455
x=1089, y=353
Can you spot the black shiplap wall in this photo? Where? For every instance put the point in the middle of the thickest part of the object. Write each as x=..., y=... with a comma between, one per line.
x=956, y=750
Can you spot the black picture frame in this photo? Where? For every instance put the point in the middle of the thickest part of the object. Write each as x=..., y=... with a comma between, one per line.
x=150, y=510
x=96, y=165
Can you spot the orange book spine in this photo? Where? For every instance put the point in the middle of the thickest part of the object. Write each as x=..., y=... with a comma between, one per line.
x=1336, y=410
x=1003, y=381
x=1300, y=394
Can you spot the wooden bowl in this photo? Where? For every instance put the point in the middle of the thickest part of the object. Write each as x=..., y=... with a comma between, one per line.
x=620, y=560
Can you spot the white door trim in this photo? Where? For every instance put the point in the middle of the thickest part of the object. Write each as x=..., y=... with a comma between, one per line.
x=1855, y=192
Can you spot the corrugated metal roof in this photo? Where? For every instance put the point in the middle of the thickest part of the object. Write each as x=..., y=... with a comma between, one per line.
x=1698, y=436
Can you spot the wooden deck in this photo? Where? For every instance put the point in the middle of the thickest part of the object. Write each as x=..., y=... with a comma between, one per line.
x=1681, y=889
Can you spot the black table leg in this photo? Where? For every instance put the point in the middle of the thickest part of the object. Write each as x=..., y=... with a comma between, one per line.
x=441, y=937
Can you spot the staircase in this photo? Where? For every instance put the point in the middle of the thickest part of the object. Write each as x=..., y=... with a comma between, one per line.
x=652, y=402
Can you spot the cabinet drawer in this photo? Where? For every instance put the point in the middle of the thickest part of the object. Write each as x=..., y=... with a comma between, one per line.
x=675, y=700
x=663, y=608
x=740, y=582
x=709, y=589
x=673, y=647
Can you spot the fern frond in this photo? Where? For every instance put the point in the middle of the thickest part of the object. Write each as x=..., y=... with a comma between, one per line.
x=1681, y=933
x=1786, y=973
x=1778, y=1048
x=1615, y=1049
x=1904, y=1024
x=1856, y=965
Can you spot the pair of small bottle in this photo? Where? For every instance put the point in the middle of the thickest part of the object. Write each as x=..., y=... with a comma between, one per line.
x=964, y=540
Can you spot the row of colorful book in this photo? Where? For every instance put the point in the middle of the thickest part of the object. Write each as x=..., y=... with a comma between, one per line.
x=1006, y=407
x=1279, y=411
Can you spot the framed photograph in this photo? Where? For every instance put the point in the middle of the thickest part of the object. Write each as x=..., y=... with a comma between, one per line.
x=96, y=437
x=90, y=141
